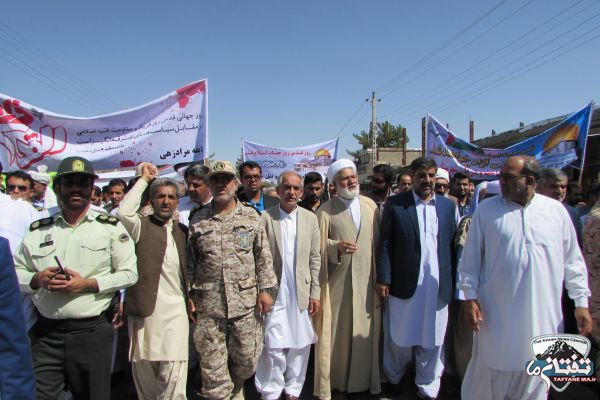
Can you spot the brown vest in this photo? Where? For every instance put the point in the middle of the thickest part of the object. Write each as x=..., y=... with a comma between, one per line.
x=150, y=250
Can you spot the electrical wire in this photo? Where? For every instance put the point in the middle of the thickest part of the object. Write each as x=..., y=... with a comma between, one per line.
x=48, y=82
x=68, y=77
x=362, y=104
x=442, y=96
x=516, y=74
x=490, y=59
x=457, y=51
x=444, y=45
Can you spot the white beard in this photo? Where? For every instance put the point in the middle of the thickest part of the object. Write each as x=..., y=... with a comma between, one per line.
x=348, y=194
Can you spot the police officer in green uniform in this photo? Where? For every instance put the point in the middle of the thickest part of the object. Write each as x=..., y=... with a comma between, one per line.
x=73, y=263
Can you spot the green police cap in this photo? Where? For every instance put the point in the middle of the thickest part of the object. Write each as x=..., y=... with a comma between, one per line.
x=75, y=165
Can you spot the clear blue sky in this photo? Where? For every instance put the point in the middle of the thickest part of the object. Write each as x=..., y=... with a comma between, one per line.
x=292, y=73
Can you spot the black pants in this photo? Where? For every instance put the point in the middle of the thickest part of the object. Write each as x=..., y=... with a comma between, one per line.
x=73, y=352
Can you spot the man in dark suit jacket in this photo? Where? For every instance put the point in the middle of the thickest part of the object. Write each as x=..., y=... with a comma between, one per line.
x=414, y=271
x=16, y=370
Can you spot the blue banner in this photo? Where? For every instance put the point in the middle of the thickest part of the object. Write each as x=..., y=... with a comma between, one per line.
x=556, y=147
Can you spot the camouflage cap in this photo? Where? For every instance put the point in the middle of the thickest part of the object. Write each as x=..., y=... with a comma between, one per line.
x=221, y=167
x=75, y=165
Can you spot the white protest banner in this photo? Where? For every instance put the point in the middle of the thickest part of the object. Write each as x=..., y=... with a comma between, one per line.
x=168, y=130
x=274, y=160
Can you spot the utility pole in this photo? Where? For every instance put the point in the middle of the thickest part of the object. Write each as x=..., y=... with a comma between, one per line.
x=373, y=129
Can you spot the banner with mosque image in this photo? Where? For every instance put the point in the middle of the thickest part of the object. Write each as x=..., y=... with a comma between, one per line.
x=557, y=147
x=275, y=160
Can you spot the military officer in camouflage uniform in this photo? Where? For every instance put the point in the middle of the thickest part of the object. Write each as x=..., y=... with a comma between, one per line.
x=73, y=263
x=232, y=273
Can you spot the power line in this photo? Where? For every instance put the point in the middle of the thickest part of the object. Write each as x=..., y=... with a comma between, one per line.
x=67, y=77
x=48, y=82
x=455, y=52
x=490, y=59
x=507, y=78
x=442, y=96
x=428, y=56
x=362, y=104
x=359, y=119
x=440, y=47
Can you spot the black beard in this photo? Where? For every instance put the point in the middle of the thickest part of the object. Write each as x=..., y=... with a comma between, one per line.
x=66, y=201
x=313, y=198
x=379, y=191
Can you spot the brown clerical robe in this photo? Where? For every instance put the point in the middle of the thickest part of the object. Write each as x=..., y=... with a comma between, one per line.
x=349, y=324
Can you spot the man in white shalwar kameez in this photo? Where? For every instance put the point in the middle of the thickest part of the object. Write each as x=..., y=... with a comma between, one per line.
x=294, y=240
x=520, y=248
x=157, y=305
x=414, y=272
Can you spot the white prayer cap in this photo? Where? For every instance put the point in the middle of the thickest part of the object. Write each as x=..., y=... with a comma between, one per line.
x=493, y=187
x=40, y=175
x=338, y=166
x=442, y=173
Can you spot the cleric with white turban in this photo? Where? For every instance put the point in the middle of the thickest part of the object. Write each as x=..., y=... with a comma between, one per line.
x=349, y=325
x=338, y=166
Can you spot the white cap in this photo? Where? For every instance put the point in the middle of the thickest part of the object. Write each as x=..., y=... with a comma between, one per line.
x=40, y=175
x=442, y=173
x=493, y=187
x=338, y=166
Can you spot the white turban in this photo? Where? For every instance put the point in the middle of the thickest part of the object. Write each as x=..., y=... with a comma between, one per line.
x=442, y=173
x=40, y=175
x=338, y=166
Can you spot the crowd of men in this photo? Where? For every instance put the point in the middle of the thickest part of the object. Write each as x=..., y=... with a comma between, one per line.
x=433, y=275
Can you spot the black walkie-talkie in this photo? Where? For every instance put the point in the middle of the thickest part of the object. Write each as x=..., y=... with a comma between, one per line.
x=61, y=270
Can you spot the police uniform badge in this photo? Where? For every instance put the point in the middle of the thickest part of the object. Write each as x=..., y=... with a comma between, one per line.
x=47, y=241
x=78, y=166
x=123, y=238
x=245, y=240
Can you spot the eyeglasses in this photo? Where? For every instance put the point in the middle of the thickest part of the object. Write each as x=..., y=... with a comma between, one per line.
x=22, y=188
x=441, y=186
x=252, y=177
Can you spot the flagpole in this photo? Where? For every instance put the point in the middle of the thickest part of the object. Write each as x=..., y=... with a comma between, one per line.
x=583, y=156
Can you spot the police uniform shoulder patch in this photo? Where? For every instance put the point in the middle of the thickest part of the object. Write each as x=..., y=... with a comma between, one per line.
x=41, y=222
x=123, y=238
x=106, y=219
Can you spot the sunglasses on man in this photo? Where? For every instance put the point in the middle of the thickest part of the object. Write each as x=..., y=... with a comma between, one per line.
x=22, y=188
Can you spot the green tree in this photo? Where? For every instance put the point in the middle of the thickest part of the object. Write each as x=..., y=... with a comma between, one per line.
x=388, y=136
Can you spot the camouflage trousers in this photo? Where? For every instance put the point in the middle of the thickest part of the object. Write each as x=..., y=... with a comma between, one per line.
x=229, y=350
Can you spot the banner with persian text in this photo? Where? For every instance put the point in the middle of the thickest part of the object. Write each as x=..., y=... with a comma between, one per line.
x=274, y=160
x=556, y=147
x=168, y=130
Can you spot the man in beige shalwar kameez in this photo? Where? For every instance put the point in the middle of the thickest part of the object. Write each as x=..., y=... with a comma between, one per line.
x=157, y=306
x=349, y=325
